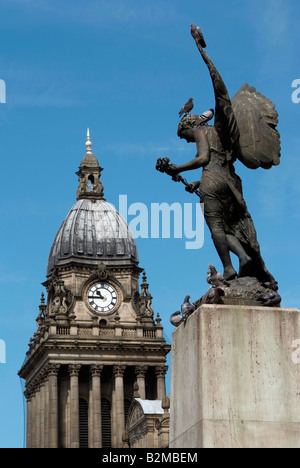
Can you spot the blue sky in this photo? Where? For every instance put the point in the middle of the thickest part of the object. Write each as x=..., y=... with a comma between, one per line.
x=124, y=69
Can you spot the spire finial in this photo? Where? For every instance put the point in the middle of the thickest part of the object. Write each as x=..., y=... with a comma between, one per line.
x=88, y=142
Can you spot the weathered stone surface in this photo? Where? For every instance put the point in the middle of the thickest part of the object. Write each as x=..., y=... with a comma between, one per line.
x=233, y=381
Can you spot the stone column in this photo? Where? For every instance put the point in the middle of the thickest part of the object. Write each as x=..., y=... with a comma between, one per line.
x=140, y=378
x=37, y=421
x=160, y=372
x=30, y=422
x=42, y=411
x=162, y=425
x=74, y=405
x=119, y=403
x=96, y=426
x=113, y=418
x=53, y=405
x=47, y=405
x=28, y=397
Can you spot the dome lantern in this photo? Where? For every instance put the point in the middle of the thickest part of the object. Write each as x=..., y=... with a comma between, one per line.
x=89, y=172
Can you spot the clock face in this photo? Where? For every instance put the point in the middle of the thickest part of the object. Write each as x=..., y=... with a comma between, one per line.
x=102, y=297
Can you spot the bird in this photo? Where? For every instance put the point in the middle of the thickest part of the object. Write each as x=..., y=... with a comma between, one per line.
x=270, y=300
x=186, y=109
x=187, y=308
x=214, y=278
x=214, y=295
x=197, y=35
x=205, y=117
x=176, y=319
x=271, y=285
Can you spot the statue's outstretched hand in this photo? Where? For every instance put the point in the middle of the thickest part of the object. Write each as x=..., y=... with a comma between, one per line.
x=163, y=165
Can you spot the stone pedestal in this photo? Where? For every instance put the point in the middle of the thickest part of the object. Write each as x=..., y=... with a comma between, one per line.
x=235, y=382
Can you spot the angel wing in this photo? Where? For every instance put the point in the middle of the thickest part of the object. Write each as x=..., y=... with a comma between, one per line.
x=256, y=119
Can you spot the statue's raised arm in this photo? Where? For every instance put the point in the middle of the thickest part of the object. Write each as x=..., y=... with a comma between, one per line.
x=247, y=123
x=225, y=122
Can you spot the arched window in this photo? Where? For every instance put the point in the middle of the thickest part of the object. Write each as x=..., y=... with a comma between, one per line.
x=106, y=423
x=83, y=424
x=91, y=181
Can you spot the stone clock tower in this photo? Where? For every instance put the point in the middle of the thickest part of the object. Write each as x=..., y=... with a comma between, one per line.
x=97, y=341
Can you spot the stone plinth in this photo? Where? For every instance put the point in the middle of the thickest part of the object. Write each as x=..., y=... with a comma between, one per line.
x=234, y=382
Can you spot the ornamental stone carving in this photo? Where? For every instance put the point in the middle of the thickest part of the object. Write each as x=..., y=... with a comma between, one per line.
x=96, y=370
x=119, y=370
x=60, y=298
x=74, y=369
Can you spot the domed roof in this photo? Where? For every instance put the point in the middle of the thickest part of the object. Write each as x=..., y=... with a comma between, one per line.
x=92, y=231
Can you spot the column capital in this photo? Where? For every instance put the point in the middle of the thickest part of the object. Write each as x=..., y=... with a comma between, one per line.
x=96, y=370
x=119, y=370
x=52, y=369
x=141, y=370
x=161, y=371
x=74, y=369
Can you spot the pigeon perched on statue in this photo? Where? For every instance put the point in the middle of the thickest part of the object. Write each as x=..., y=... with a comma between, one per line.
x=187, y=309
x=176, y=319
x=205, y=117
x=214, y=295
x=214, y=278
x=186, y=109
x=270, y=300
x=271, y=285
x=197, y=35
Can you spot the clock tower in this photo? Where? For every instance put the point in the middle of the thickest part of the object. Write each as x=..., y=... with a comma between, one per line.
x=97, y=341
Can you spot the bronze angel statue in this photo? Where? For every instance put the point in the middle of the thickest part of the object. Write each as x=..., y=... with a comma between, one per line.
x=245, y=129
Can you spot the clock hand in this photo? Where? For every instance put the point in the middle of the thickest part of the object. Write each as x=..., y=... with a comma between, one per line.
x=96, y=297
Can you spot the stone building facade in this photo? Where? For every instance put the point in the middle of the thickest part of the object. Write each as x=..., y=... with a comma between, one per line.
x=97, y=337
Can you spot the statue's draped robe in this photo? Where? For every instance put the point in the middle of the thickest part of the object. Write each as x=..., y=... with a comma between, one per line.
x=224, y=206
